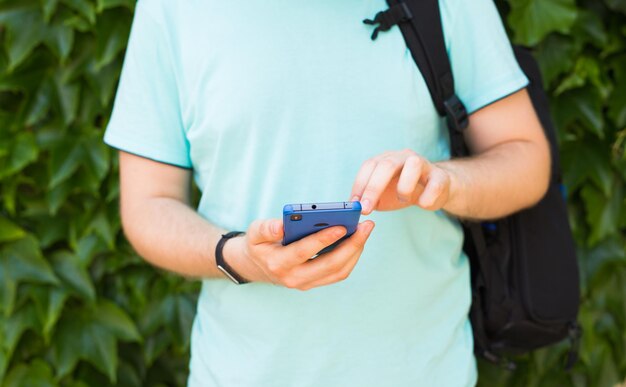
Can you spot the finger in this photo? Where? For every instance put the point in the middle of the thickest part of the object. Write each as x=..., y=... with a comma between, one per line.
x=263, y=231
x=332, y=263
x=385, y=170
x=436, y=190
x=340, y=275
x=302, y=250
x=362, y=177
x=409, y=179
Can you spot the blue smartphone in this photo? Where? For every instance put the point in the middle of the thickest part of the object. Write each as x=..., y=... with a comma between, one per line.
x=300, y=220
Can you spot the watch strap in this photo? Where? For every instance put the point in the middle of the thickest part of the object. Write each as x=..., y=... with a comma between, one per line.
x=221, y=263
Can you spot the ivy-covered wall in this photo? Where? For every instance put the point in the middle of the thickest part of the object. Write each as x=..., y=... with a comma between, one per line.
x=79, y=308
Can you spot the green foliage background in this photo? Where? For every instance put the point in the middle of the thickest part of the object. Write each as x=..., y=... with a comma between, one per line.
x=79, y=308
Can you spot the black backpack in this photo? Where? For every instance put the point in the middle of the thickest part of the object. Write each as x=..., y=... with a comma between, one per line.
x=524, y=272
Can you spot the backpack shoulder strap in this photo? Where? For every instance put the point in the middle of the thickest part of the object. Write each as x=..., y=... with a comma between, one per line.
x=420, y=24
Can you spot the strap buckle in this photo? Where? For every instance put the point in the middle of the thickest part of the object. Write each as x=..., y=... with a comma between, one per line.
x=456, y=113
x=384, y=20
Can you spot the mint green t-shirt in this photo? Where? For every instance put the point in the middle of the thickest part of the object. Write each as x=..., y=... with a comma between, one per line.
x=273, y=102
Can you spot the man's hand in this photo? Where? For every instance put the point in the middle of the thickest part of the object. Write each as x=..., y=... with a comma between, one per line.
x=398, y=179
x=259, y=256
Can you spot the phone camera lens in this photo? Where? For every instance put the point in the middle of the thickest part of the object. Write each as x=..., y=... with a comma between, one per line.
x=314, y=206
x=296, y=217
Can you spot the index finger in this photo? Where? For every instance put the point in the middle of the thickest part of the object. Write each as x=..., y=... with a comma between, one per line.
x=304, y=249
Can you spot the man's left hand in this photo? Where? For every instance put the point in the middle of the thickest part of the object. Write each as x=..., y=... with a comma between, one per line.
x=398, y=179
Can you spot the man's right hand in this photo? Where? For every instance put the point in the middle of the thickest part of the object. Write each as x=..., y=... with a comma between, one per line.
x=259, y=255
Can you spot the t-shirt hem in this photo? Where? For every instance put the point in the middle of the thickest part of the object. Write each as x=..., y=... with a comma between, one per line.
x=482, y=100
x=147, y=152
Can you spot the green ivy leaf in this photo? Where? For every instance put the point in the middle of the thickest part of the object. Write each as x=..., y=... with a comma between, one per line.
x=84, y=7
x=56, y=302
x=66, y=158
x=60, y=39
x=49, y=6
x=609, y=252
x=555, y=56
x=90, y=334
x=583, y=105
x=175, y=314
x=617, y=101
x=112, y=34
x=106, y=4
x=602, y=212
x=68, y=268
x=38, y=373
x=532, y=20
x=103, y=81
x=20, y=41
x=8, y=291
x=68, y=97
x=589, y=27
x=101, y=226
x=4, y=363
x=9, y=231
x=587, y=161
x=23, y=152
x=15, y=326
x=98, y=153
x=617, y=5
x=22, y=260
x=77, y=338
x=117, y=321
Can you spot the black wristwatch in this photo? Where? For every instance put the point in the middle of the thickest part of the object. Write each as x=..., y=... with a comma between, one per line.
x=222, y=265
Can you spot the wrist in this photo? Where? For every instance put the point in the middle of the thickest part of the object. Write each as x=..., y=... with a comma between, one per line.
x=457, y=190
x=235, y=255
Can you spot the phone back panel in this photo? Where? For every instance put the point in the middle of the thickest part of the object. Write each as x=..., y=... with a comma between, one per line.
x=301, y=220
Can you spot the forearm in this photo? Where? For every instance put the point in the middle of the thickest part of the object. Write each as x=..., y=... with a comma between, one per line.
x=499, y=181
x=171, y=235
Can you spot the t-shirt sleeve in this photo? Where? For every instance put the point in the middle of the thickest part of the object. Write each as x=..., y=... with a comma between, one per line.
x=146, y=118
x=481, y=56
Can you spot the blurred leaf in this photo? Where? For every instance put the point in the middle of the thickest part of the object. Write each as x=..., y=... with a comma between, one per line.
x=60, y=39
x=555, y=56
x=49, y=6
x=532, y=20
x=586, y=69
x=590, y=27
x=105, y=4
x=582, y=105
x=4, y=363
x=15, y=326
x=8, y=289
x=9, y=231
x=79, y=337
x=617, y=102
x=38, y=373
x=101, y=226
x=112, y=34
x=68, y=268
x=587, y=160
x=56, y=302
x=22, y=261
x=22, y=153
x=611, y=251
x=21, y=41
x=602, y=212
x=117, y=321
x=174, y=313
x=84, y=8
x=617, y=5
x=66, y=158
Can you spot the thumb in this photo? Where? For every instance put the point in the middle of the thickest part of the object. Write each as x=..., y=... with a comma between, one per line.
x=262, y=231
